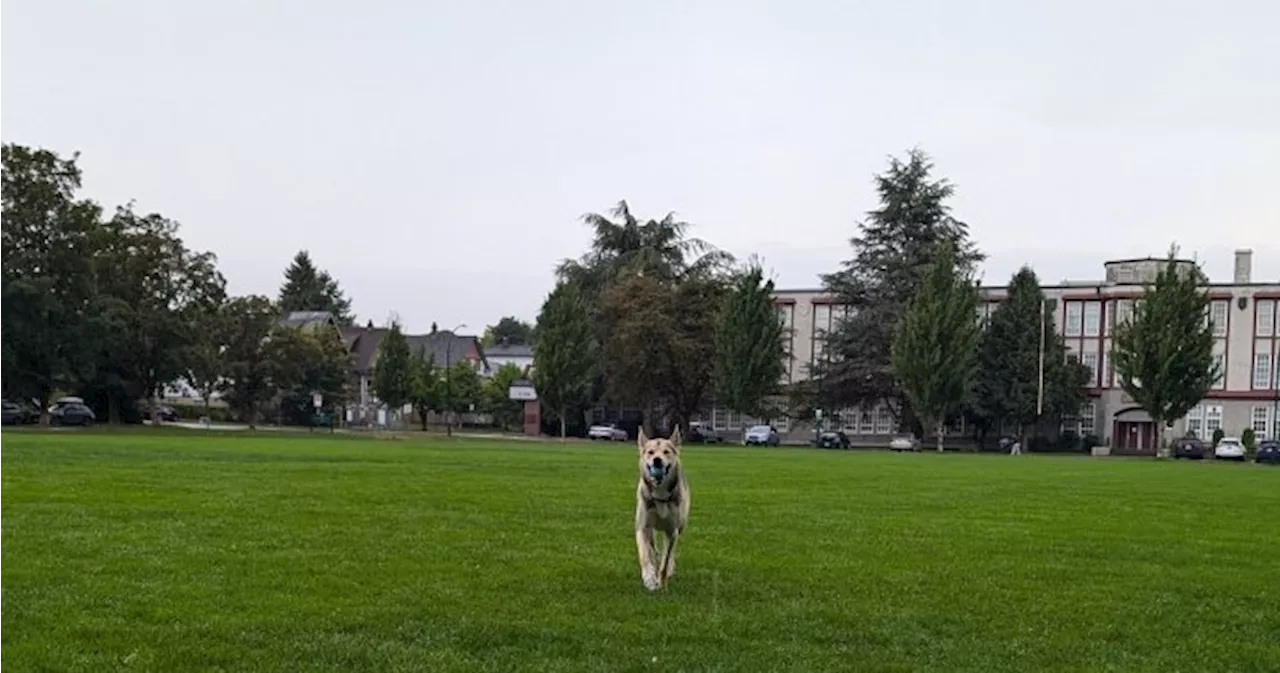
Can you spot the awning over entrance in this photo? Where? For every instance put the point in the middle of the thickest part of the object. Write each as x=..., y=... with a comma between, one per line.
x=1133, y=415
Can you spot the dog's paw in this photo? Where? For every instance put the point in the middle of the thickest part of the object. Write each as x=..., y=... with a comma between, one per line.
x=650, y=580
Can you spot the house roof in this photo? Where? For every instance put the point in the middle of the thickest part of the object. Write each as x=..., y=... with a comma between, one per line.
x=363, y=342
x=306, y=319
x=508, y=351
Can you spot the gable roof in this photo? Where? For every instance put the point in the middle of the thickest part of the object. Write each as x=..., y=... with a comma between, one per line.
x=363, y=343
x=509, y=351
x=306, y=319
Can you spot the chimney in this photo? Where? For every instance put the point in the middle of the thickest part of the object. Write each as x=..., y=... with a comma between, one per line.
x=1244, y=266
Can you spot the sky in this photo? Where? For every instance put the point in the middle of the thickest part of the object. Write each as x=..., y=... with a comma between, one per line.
x=437, y=157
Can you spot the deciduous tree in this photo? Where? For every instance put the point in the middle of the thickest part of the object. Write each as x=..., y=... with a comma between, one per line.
x=496, y=396
x=1164, y=353
x=509, y=330
x=425, y=389
x=392, y=375
x=564, y=352
x=749, y=352
x=934, y=353
x=251, y=371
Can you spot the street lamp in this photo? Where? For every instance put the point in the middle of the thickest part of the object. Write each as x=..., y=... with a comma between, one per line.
x=448, y=381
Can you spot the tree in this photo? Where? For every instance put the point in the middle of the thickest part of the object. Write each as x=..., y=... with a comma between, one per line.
x=392, y=375
x=250, y=370
x=934, y=353
x=307, y=288
x=749, y=352
x=1007, y=386
x=309, y=361
x=509, y=330
x=160, y=286
x=461, y=390
x=48, y=274
x=1164, y=353
x=425, y=389
x=496, y=396
x=206, y=360
x=891, y=255
x=564, y=349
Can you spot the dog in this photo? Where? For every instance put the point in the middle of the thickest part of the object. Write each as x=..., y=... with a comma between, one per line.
x=662, y=505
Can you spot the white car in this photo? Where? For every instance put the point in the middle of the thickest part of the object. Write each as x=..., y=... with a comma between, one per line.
x=608, y=433
x=762, y=435
x=904, y=443
x=1229, y=448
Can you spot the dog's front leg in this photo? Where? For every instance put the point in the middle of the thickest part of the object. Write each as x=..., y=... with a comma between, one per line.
x=644, y=548
x=669, y=557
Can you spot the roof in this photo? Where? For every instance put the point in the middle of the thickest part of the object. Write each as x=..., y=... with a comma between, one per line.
x=508, y=351
x=306, y=319
x=363, y=342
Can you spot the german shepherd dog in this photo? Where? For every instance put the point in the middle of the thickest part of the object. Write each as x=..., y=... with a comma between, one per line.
x=662, y=504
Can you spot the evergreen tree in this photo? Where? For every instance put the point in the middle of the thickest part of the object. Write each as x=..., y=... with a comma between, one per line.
x=392, y=375
x=307, y=288
x=892, y=253
x=509, y=330
x=1164, y=353
x=564, y=349
x=934, y=353
x=749, y=352
x=1009, y=364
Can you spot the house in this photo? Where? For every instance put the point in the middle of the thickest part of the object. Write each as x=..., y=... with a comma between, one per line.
x=445, y=348
x=309, y=320
x=1243, y=312
x=505, y=353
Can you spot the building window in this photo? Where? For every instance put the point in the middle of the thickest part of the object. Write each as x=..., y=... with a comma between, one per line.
x=1087, y=414
x=1218, y=316
x=782, y=424
x=1261, y=370
x=1195, y=422
x=1220, y=361
x=1105, y=371
x=1212, y=420
x=884, y=420
x=1264, y=321
x=866, y=422
x=1261, y=421
x=1090, y=361
x=1124, y=311
x=1092, y=318
x=1071, y=323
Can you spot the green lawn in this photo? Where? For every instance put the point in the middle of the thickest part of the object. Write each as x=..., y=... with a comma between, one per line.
x=164, y=551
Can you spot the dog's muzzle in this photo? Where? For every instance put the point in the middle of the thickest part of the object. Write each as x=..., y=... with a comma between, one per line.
x=658, y=470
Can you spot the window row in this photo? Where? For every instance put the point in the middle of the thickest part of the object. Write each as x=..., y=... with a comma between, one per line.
x=1087, y=318
x=724, y=420
x=1203, y=420
x=1083, y=423
x=1103, y=374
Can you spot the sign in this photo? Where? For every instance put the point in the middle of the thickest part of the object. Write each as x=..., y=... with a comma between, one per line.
x=317, y=400
x=522, y=389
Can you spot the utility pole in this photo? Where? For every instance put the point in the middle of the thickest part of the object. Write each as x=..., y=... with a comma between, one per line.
x=1040, y=377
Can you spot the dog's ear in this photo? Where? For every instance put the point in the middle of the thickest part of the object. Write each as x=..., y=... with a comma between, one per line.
x=675, y=438
x=640, y=438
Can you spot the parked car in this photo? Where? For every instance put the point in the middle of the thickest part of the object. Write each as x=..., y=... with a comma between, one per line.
x=609, y=433
x=166, y=413
x=699, y=433
x=1268, y=452
x=904, y=443
x=761, y=435
x=832, y=439
x=1189, y=448
x=71, y=411
x=1229, y=448
x=17, y=414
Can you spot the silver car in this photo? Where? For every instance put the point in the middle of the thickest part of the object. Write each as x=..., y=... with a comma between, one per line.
x=904, y=443
x=761, y=435
x=608, y=433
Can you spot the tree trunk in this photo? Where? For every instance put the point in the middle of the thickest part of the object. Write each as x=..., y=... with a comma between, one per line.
x=422, y=416
x=1022, y=436
x=113, y=408
x=448, y=424
x=1159, y=433
x=941, y=431
x=45, y=418
x=562, y=430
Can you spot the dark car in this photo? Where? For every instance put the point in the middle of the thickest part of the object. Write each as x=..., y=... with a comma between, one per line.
x=1189, y=448
x=832, y=439
x=71, y=411
x=165, y=413
x=701, y=434
x=18, y=414
x=1268, y=452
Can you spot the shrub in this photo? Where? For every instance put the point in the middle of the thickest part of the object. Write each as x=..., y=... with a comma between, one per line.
x=1218, y=434
x=1091, y=441
x=1248, y=439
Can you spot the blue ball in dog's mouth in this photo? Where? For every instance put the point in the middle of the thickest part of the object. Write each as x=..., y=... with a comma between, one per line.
x=657, y=473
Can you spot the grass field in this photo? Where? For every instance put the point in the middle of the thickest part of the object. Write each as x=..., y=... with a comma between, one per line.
x=164, y=551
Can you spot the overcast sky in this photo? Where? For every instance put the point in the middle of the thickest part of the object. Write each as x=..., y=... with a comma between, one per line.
x=436, y=157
